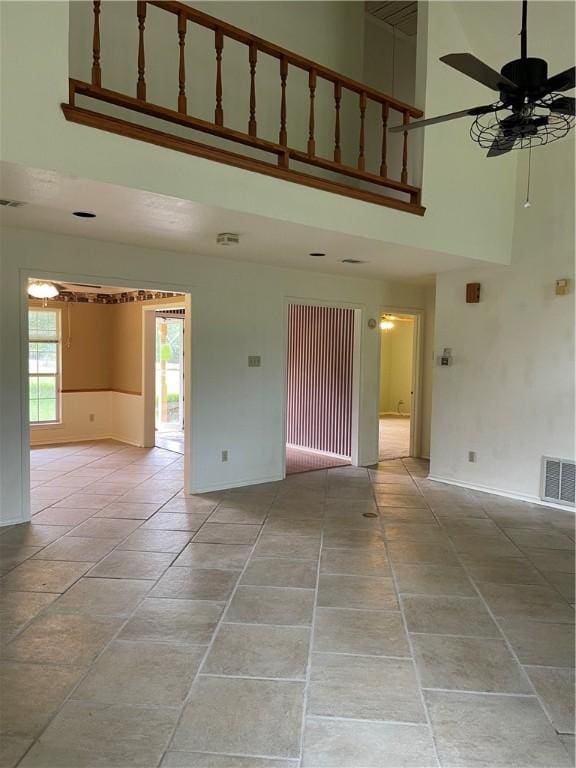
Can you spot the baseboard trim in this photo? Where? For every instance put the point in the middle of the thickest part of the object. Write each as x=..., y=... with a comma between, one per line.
x=85, y=439
x=235, y=484
x=501, y=492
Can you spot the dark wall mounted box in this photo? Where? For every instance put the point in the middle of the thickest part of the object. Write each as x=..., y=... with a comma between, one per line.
x=472, y=293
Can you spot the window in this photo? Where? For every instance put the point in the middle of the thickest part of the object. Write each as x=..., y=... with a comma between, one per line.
x=44, y=365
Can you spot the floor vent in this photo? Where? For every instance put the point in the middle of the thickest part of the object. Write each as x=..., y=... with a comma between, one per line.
x=558, y=480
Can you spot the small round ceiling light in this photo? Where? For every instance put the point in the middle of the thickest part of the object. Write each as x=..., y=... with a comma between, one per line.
x=40, y=289
x=84, y=214
x=317, y=254
x=386, y=324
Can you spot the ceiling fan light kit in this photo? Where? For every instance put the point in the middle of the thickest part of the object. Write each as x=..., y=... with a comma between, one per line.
x=531, y=111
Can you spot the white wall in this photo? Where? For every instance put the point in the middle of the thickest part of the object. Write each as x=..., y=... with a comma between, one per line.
x=237, y=310
x=510, y=390
x=427, y=368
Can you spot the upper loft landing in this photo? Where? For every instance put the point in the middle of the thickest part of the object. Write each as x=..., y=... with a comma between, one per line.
x=172, y=75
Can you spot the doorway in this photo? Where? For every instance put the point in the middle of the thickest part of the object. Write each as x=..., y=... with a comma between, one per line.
x=320, y=387
x=169, y=380
x=397, y=405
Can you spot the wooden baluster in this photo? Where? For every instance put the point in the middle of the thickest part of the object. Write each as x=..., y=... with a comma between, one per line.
x=337, y=100
x=182, y=107
x=361, y=158
x=283, y=137
x=219, y=44
x=141, y=84
x=96, y=69
x=404, y=176
x=253, y=58
x=312, y=87
x=383, y=162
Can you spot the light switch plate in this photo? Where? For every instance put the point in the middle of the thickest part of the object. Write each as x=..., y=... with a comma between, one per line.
x=254, y=361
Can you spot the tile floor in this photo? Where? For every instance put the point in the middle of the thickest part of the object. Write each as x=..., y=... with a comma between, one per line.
x=393, y=437
x=299, y=460
x=346, y=618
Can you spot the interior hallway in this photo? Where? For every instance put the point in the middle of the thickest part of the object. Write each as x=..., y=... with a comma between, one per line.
x=394, y=437
x=142, y=628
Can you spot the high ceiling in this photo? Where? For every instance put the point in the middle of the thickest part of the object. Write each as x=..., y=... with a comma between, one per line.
x=397, y=14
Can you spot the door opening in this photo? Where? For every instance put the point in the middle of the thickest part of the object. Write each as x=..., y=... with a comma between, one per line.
x=319, y=410
x=397, y=401
x=169, y=380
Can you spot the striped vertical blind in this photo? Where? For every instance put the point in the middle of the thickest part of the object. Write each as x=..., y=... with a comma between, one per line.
x=320, y=351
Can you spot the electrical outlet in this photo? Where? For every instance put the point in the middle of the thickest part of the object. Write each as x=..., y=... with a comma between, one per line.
x=91, y=417
x=472, y=456
x=224, y=455
x=254, y=361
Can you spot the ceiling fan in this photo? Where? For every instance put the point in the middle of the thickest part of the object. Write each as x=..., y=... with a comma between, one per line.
x=531, y=110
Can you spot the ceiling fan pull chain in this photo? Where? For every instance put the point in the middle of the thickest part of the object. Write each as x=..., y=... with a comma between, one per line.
x=527, y=203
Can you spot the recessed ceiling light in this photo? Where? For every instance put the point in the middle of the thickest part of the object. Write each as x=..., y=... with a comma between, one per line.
x=353, y=261
x=84, y=214
x=317, y=254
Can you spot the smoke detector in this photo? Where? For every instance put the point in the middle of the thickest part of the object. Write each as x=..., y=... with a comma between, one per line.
x=227, y=238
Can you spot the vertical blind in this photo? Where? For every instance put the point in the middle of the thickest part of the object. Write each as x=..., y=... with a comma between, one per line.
x=320, y=359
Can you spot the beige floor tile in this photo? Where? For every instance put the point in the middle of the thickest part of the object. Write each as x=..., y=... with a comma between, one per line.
x=54, y=516
x=132, y=565
x=86, y=501
x=350, y=744
x=511, y=571
x=555, y=687
x=364, y=688
x=32, y=535
x=178, y=621
x=569, y=745
x=370, y=562
x=159, y=674
x=280, y=572
x=421, y=553
x=251, y=717
x=102, y=597
x=156, y=541
x=18, y=608
x=539, y=538
x=90, y=734
x=354, y=539
x=468, y=664
x=233, y=515
x=561, y=561
x=128, y=510
x=527, y=602
x=545, y=644
x=433, y=580
x=448, y=615
x=343, y=591
x=190, y=504
x=71, y=639
x=196, y=584
x=259, y=651
x=206, y=760
x=405, y=500
x=31, y=696
x=404, y=488
x=489, y=731
x=174, y=522
x=12, y=556
x=406, y=532
x=375, y=633
x=106, y=528
x=43, y=576
x=224, y=533
x=12, y=748
x=280, y=545
x=565, y=583
x=406, y=515
x=293, y=527
x=271, y=605
x=219, y=556
x=76, y=548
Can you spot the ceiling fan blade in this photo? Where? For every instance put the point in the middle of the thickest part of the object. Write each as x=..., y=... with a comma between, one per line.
x=563, y=81
x=444, y=118
x=564, y=105
x=472, y=67
x=501, y=145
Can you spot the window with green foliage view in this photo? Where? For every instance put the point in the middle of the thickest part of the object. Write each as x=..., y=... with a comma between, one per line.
x=44, y=365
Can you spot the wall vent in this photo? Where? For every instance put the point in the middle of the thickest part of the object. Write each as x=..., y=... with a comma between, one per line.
x=12, y=203
x=558, y=480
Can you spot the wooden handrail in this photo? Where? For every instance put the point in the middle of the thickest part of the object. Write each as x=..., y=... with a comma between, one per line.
x=241, y=36
x=281, y=151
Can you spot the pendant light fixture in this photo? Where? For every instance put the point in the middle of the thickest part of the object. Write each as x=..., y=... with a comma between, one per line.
x=41, y=289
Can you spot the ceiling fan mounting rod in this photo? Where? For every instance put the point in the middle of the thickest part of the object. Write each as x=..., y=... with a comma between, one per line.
x=523, y=31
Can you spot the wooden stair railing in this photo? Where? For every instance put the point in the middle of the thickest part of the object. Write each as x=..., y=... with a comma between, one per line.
x=406, y=197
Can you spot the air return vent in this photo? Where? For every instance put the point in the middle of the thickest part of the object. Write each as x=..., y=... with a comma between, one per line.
x=11, y=203
x=558, y=480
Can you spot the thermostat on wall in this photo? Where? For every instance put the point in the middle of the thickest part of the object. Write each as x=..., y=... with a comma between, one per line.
x=445, y=357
